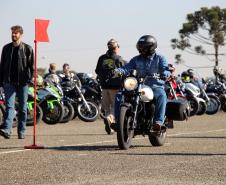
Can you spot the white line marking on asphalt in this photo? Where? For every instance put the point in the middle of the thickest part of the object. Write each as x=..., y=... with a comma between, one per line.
x=14, y=151
x=110, y=141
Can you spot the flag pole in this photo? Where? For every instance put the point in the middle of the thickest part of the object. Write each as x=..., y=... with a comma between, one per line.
x=34, y=146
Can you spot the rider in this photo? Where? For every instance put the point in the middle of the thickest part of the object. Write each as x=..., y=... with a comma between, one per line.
x=194, y=78
x=148, y=63
x=67, y=77
x=52, y=77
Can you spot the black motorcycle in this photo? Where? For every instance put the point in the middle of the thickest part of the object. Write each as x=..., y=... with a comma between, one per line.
x=92, y=89
x=217, y=88
x=85, y=109
x=137, y=111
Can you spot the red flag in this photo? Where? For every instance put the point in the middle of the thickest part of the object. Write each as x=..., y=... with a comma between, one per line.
x=41, y=34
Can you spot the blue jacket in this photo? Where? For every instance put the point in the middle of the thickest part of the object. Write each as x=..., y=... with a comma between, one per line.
x=147, y=67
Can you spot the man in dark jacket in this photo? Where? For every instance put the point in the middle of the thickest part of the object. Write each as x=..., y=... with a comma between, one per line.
x=16, y=72
x=105, y=65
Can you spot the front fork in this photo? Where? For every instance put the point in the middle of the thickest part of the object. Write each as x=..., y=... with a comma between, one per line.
x=82, y=97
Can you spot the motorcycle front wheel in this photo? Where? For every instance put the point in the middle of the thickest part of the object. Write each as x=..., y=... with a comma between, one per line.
x=202, y=108
x=124, y=132
x=88, y=115
x=213, y=105
x=53, y=115
x=194, y=106
x=68, y=112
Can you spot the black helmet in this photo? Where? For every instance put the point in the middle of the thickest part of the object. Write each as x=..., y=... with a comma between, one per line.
x=146, y=45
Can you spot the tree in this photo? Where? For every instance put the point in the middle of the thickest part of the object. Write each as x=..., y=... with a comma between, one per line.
x=206, y=27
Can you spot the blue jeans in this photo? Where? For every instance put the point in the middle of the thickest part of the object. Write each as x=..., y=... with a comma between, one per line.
x=160, y=105
x=10, y=91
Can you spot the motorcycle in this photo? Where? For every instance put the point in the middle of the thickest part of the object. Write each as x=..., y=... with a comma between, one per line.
x=192, y=90
x=218, y=89
x=30, y=108
x=92, y=89
x=194, y=102
x=137, y=111
x=173, y=93
x=86, y=110
x=50, y=98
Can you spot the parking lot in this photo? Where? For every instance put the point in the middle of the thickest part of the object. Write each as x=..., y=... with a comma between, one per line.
x=82, y=153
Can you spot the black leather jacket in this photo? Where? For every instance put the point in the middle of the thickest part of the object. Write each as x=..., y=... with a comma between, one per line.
x=25, y=63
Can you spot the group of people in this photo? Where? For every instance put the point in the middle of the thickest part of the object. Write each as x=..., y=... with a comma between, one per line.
x=16, y=73
x=111, y=67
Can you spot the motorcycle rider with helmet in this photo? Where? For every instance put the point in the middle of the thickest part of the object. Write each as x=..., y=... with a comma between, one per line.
x=148, y=63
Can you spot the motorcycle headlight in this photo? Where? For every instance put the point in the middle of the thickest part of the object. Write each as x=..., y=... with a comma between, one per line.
x=130, y=83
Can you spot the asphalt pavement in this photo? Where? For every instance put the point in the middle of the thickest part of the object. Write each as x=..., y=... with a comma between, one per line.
x=82, y=153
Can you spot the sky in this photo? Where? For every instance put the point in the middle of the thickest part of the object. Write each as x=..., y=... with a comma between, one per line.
x=80, y=29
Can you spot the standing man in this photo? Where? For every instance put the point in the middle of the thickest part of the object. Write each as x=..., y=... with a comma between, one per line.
x=16, y=72
x=105, y=65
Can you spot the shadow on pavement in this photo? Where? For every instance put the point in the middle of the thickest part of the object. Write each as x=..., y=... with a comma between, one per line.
x=199, y=137
x=85, y=148
x=172, y=154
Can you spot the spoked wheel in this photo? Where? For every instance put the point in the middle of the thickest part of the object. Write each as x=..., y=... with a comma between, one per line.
x=30, y=115
x=125, y=133
x=88, y=115
x=53, y=115
x=213, y=105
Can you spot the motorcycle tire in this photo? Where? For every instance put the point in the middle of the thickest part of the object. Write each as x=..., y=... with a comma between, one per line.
x=223, y=103
x=68, y=112
x=223, y=106
x=194, y=106
x=85, y=115
x=202, y=108
x=213, y=105
x=75, y=110
x=30, y=116
x=124, y=133
x=52, y=117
